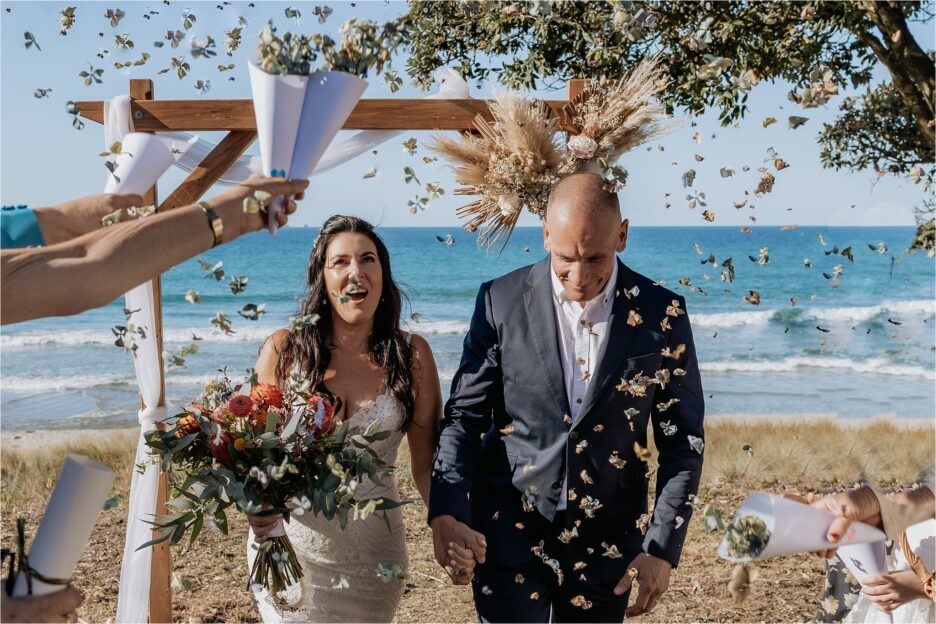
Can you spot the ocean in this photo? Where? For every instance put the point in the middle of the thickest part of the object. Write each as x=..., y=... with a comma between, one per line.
x=860, y=345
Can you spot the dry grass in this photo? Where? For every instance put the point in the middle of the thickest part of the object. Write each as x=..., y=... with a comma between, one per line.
x=788, y=589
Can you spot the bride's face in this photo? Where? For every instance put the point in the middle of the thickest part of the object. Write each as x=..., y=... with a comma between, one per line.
x=353, y=277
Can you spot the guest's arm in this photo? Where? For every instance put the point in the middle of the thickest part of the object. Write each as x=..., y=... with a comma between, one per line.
x=423, y=432
x=680, y=465
x=77, y=217
x=92, y=270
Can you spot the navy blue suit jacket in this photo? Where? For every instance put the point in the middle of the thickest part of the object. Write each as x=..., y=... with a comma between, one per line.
x=507, y=442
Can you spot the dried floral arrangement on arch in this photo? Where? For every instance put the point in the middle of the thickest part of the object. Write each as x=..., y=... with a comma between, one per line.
x=514, y=161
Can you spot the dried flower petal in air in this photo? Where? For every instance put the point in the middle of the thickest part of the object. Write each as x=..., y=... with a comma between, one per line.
x=746, y=537
x=697, y=444
x=633, y=318
x=590, y=505
x=643, y=454
x=740, y=584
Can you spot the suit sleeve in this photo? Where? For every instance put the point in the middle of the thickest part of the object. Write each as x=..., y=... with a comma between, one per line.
x=680, y=463
x=477, y=390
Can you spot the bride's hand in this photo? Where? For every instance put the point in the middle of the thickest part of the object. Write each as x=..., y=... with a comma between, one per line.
x=461, y=564
x=262, y=525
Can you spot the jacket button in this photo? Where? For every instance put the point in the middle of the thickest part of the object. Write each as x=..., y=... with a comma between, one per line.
x=573, y=435
x=556, y=485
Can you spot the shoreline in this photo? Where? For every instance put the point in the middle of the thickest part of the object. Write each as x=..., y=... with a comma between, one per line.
x=33, y=439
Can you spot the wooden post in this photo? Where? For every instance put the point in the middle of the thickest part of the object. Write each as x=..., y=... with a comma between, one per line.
x=160, y=596
x=575, y=88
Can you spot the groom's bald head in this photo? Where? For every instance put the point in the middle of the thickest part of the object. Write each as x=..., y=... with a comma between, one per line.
x=583, y=192
x=583, y=234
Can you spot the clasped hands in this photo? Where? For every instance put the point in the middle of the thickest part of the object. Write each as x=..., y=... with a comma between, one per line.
x=458, y=548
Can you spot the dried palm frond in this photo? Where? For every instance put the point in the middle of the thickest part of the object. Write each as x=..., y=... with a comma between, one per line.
x=617, y=115
x=511, y=164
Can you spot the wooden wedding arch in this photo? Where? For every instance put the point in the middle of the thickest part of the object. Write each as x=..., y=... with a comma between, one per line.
x=236, y=117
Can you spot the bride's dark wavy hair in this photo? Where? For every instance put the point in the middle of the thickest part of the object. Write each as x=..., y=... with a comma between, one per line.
x=310, y=347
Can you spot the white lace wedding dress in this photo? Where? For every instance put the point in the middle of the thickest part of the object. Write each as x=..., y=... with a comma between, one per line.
x=328, y=553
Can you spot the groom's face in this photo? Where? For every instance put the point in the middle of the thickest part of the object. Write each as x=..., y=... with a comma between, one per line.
x=583, y=244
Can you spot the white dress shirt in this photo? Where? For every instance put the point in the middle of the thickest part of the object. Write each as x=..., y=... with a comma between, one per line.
x=583, y=334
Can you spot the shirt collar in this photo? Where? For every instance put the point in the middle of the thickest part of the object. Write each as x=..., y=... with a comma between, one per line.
x=605, y=298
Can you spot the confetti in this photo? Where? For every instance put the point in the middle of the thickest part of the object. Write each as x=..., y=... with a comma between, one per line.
x=697, y=444
x=642, y=453
x=611, y=551
x=740, y=584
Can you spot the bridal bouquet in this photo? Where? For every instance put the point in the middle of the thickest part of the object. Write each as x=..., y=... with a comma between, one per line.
x=264, y=449
x=299, y=106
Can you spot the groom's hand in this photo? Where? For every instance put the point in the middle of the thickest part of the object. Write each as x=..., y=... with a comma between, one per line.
x=651, y=577
x=457, y=546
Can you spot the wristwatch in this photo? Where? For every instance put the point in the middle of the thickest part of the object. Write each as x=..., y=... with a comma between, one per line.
x=214, y=222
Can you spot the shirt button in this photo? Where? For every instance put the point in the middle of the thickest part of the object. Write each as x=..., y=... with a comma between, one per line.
x=579, y=401
x=556, y=485
x=581, y=322
x=581, y=361
x=573, y=435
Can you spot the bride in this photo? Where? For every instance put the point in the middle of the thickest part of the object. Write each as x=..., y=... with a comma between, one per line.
x=378, y=376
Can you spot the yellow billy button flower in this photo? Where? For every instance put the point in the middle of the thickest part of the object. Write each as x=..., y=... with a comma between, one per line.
x=239, y=444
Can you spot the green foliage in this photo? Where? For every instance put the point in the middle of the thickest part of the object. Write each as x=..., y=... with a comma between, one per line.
x=713, y=53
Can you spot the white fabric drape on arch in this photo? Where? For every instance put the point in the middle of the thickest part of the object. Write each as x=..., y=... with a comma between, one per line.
x=133, y=596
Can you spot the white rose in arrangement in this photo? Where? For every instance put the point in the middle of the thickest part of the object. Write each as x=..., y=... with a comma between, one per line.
x=509, y=205
x=582, y=146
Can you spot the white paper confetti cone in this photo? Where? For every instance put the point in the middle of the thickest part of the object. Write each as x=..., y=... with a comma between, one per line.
x=277, y=104
x=143, y=159
x=330, y=98
x=73, y=508
x=795, y=527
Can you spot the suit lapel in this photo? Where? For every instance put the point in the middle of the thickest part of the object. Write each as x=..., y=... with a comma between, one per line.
x=615, y=349
x=538, y=300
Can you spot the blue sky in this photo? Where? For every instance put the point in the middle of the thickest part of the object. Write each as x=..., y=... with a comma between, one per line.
x=44, y=161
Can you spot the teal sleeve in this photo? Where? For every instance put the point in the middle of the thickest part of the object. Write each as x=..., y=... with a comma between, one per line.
x=19, y=228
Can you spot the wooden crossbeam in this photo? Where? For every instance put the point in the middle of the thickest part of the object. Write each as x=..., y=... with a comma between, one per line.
x=371, y=114
x=210, y=169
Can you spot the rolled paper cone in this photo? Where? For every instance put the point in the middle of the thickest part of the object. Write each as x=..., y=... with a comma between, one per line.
x=77, y=499
x=795, y=527
x=279, y=530
x=921, y=538
x=330, y=97
x=277, y=104
x=143, y=159
x=864, y=560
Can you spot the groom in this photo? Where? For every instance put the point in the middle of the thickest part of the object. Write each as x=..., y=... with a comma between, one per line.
x=565, y=365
